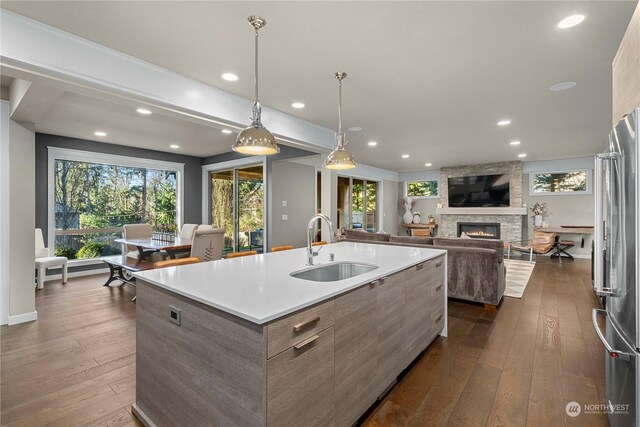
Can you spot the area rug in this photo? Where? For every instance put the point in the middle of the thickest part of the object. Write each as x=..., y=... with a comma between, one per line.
x=518, y=275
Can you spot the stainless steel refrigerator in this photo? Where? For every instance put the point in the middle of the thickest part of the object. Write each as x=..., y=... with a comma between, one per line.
x=615, y=269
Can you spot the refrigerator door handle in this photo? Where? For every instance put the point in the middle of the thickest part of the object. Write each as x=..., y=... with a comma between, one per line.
x=600, y=230
x=616, y=354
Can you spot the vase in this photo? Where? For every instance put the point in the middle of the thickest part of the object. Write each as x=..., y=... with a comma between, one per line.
x=416, y=218
x=407, y=218
x=537, y=220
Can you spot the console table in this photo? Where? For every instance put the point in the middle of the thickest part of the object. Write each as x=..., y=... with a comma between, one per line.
x=432, y=227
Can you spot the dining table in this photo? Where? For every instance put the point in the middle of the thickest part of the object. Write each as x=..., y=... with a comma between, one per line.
x=171, y=245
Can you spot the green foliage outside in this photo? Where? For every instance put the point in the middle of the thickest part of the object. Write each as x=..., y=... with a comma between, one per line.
x=560, y=182
x=422, y=188
x=97, y=196
x=66, y=251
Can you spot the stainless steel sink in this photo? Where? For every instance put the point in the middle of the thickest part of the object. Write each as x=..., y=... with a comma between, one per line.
x=334, y=272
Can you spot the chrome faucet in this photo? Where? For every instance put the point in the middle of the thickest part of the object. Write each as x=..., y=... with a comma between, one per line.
x=312, y=221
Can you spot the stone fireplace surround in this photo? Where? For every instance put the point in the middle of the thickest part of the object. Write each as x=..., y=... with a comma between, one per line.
x=510, y=219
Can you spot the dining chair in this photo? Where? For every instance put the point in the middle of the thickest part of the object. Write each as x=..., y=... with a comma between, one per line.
x=240, y=254
x=541, y=244
x=206, y=227
x=187, y=230
x=281, y=248
x=136, y=231
x=176, y=262
x=44, y=260
x=319, y=243
x=207, y=244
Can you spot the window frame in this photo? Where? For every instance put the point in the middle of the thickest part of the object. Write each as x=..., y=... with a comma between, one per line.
x=406, y=189
x=588, y=191
x=365, y=181
x=66, y=154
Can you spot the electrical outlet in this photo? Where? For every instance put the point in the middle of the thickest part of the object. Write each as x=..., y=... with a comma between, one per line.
x=284, y=203
x=285, y=217
x=175, y=315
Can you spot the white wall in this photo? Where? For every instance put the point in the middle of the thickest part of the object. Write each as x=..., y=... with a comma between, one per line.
x=563, y=210
x=296, y=184
x=391, y=195
x=21, y=221
x=4, y=213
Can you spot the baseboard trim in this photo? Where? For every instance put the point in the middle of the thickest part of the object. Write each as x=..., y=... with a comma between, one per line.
x=141, y=416
x=50, y=277
x=23, y=318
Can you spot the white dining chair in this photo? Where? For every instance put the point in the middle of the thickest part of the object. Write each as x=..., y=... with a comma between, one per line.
x=44, y=260
x=187, y=230
x=207, y=244
x=136, y=231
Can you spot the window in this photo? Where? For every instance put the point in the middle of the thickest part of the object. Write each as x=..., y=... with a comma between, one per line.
x=422, y=188
x=569, y=182
x=357, y=204
x=92, y=200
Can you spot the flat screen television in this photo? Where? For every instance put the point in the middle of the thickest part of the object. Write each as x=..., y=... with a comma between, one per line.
x=479, y=191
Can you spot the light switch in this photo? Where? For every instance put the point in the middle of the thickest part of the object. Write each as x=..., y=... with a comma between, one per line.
x=285, y=217
x=284, y=203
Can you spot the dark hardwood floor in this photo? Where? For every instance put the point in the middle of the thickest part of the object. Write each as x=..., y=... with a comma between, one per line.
x=519, y=365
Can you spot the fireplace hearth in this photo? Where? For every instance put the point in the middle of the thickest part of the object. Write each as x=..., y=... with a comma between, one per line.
x=480, y=230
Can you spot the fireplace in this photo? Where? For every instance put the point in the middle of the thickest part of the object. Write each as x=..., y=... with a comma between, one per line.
x=483, y=230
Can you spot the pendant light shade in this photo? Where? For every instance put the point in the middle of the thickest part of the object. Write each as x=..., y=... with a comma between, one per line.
x=256, y=140
x=340, y=158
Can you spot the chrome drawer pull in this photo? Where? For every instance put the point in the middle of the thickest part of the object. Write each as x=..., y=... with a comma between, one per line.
x=438, y=287
x=439, y=318
x=301, y=326
x=306, y=342
x=438, y=264
x=419, y=266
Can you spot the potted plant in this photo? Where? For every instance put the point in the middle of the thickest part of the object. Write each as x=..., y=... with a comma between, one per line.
x=538, y=210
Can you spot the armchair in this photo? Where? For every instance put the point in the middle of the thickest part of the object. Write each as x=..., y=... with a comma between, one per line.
x=541, y=244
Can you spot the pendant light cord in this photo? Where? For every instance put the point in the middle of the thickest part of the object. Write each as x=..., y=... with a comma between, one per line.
x=340, y=106
x=255, y=77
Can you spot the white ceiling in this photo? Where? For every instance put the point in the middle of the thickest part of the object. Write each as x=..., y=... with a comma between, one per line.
x=430, y=79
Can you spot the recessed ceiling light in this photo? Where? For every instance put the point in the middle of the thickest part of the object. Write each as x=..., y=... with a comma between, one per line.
x=100, y=133
x=230, y=77
x=522, y=155
x=174, y=146
x=297, y=105
x=428, y=164
x=227, y=131
x=405, y=156
x=504, y=122
x=372, y=143
x=355, y=128
x=563, y=86
x=570, y=21
x=515, y=143
x=143, y=111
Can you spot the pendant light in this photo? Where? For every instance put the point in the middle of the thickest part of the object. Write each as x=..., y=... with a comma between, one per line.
x=340, y=158
x=256, y=140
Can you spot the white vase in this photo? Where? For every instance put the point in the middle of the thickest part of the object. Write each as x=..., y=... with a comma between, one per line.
x=407, y=218
x=537, y=220
x=416, y=218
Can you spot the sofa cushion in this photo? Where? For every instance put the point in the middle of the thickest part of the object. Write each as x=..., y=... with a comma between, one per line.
x=417, y=240
x=496, y=245
x=365, y=235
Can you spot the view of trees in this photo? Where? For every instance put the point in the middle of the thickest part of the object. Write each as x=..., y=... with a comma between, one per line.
x=422, y=188
x=560, y=182
x=105, y=197
x=250, y=207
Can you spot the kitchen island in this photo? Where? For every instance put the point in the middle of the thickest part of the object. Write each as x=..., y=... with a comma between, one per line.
x=243, y=342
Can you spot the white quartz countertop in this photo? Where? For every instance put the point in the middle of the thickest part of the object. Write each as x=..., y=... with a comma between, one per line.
x=259, y=288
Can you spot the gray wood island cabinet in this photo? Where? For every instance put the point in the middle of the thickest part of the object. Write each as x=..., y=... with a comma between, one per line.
x=324, y=364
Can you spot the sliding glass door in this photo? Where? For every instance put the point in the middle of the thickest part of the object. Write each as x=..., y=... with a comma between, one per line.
x=357, y=204
x=237, y=205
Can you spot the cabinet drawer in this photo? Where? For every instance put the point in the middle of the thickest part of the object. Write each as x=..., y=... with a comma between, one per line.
x=284, y=333
x=300, y=383
x=436, y=265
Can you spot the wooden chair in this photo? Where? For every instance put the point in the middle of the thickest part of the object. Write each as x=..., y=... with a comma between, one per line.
x=422, y=232
x=207, y=244
x=241, y=254
x=176, y=262
x=319, y=243
x=541, y=244
x=44, y=260
x=281, y=248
